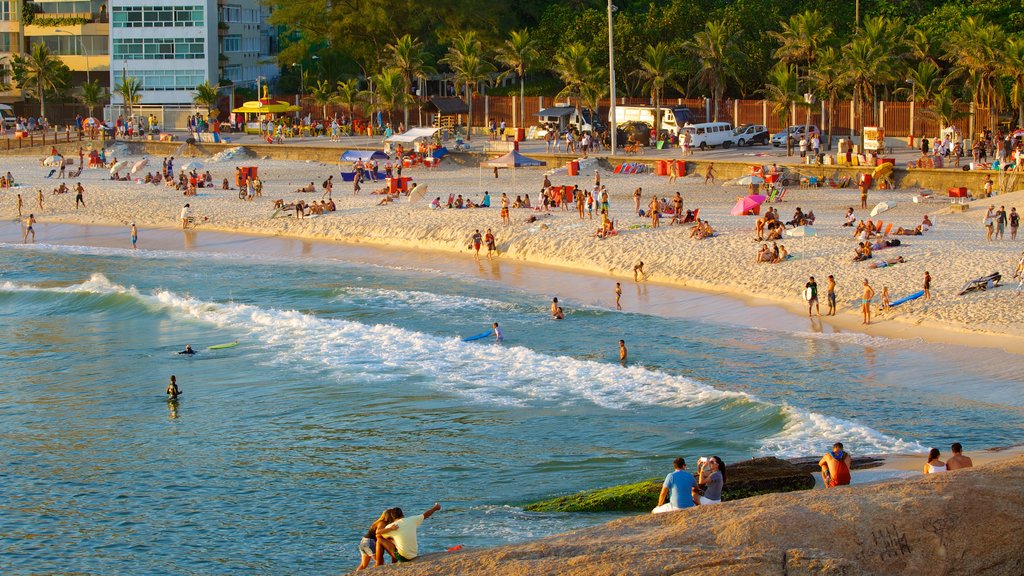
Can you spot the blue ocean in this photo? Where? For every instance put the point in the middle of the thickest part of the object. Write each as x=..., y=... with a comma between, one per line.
x=351, y=391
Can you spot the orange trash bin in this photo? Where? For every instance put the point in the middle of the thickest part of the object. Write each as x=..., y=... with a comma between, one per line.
x=574, y=168
x=661, y=168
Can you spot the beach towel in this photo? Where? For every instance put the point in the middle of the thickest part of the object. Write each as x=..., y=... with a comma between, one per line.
x=52, y=172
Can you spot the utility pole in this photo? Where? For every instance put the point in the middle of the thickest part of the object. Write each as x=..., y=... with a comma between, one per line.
x=611, y=77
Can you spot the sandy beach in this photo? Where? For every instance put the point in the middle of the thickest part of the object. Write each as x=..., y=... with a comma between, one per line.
x=954, y=252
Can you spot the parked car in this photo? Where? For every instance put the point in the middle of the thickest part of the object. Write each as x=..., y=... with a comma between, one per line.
x=795, y=132
x=641, y=132
x=751, y=134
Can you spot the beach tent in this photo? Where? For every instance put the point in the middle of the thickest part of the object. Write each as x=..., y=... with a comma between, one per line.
x=413, y=135
x=511, y=160
x=364, y=155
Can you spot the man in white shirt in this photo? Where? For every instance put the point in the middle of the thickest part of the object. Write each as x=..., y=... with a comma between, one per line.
x=399, y=537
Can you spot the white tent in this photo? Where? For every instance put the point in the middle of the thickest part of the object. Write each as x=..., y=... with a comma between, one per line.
x=413, y=135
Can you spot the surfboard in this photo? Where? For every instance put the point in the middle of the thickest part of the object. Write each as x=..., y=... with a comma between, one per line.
x=808, y=292
x=480, y=336
x=907, y=298
x=223, y=346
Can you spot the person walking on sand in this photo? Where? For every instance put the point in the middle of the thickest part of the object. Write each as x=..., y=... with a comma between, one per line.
x=678, y=488
x=477, y=240
x=135, y=236
x=505, y=218
x=673, y=172
x=1014, y=223
x=1000, y=217
x=709, y=175
x=835, y=467
x=638, y=271
x=677, y=209
x=618, y=296
x=623, y=353
x=29, y=229
x=958, y=460
x=927, y=285
x=328, y=187
x=186, y=215
x=863, y=185
x=653, y=209
x=399, y=537
x=989, y=221
x=489, y=240
x=19, y=206
x=934, y=465
x=865, y=302
x=636, y=200
x=811, y=294
x=830, y=290
x=79, y=199
x=39, y=198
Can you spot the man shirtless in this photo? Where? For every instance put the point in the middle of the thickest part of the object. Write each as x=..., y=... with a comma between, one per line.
x=638, y=271
x=835, y=466
x=29, y=229
x=865, y=302
x=958, y=460
x=623, y=353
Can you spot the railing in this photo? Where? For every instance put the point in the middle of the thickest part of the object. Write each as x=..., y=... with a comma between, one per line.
x=50, y=137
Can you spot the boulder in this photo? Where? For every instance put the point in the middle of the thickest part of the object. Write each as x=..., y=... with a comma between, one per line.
x=743, y=479
x=963, y=522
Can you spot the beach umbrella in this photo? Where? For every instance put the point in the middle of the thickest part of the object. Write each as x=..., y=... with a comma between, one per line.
x=192, y=165
x=882, y=207
x=140, y=165
x=801, y=232
x=418, y=193
x=748, y=180
x=747, y=203
x=882, y=170
x=119, y=166
x=512, y=160
x=91, y=122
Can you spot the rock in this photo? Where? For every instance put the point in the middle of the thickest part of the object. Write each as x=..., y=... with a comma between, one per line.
x=963, y=522
x=743, y=480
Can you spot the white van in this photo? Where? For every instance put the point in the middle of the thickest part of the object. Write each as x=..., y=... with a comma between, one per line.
x=7, y=113
x=710, y=134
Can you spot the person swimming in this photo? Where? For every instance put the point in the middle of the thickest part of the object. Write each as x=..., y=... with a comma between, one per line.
x=188, y=350
x=172, y=389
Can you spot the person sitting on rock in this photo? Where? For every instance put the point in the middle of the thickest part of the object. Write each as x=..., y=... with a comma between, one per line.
x=835, y=466
x=679, y=489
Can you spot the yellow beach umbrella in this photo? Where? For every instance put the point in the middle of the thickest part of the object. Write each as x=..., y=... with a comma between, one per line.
x=266, y=107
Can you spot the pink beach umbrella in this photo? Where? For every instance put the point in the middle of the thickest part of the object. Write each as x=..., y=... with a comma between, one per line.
x=747, y=203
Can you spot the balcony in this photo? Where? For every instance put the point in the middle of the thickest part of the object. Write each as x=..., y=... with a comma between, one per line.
x=94, y=63
x=86, y=29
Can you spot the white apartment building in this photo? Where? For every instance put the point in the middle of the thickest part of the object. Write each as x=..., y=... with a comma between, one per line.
x=171, y=46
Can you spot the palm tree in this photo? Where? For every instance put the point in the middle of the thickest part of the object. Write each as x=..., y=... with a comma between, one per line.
x=1013, y=58
x=925, y=82
x=715, y=47
x=865, y=63
x=800, y=40
x=38, y=72
x=93, y=96
x=129, y=89
x=826, y=76
x=321, y=94
x=974, y=49
x=782, y=90
x=658, y=67
x=409, y=57
x=467, y=59
x=519, y=54
x=208, y=96
x=389, y=87
x=348, y=93
x=573, y=66
x=945, y=108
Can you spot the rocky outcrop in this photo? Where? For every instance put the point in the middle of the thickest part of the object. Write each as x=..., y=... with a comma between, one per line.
x=745, y=479
x=963, y=522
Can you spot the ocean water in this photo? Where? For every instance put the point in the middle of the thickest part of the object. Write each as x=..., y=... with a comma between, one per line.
x=351, y=391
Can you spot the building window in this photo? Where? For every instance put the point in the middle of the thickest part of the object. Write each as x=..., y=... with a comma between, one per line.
x=166, y=80
x=158, y=49
x=231, y=13
x=7, y=10
x=68, y=6
x=232, y=73
x=251, y=44
x=231, y=44
x=156, y=16
x=65, y=45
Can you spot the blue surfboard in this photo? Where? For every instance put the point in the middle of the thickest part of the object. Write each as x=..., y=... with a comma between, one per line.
x=480, y=336
x=908, y=298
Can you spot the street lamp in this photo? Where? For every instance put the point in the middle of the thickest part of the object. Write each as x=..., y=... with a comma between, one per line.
x=88, y=77
x=611, y=77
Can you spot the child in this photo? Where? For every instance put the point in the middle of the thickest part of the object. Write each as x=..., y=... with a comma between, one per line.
x=885, y=299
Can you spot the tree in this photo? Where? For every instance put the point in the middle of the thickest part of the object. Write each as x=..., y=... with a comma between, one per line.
x=945, y=108
x=93, y=96
x=409, y=57
x=865, y=62
x=826, y=76
x=974, y=49
x=573, y=66
x=389, y=87
x=467, y=60
x=129, y=89
x=348, y=93
x=658, y=67
x=783, y=90
x=1013, y=57
x=925, y=82
x=518, y=54
x=321, y=94
x=715, y=48
x=800, y=39
x=38, y=72
x=208, y=96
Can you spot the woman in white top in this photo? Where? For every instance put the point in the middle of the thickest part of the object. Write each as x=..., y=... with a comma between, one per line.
x=934, y=465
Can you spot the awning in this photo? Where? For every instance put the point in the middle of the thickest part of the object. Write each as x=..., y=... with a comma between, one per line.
x=414, y=135
x=265, y=107
x=449, y=106
x=557, y=111
x=364, y=155
x=513, y=160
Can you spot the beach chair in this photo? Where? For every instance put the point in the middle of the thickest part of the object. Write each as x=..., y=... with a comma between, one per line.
x=617, y=169
x=782, y=195
x=888, y=229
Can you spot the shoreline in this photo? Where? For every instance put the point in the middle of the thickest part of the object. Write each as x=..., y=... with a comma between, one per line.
x=843, y=321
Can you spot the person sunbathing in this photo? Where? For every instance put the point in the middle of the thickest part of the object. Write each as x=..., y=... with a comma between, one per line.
x=385, y=200
x=305, y=189
x=901, y=231
x=885, y=263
